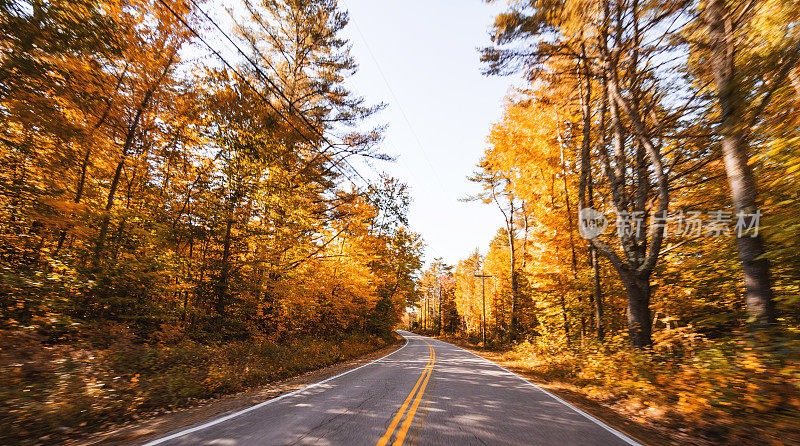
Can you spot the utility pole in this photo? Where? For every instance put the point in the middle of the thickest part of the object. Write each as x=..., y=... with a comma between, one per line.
x=425, y=312
x=439, y=301
x=483, y=317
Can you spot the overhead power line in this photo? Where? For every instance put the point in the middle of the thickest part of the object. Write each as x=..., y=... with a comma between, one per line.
x=399, y=107
x=405, y=117
x=257, y=91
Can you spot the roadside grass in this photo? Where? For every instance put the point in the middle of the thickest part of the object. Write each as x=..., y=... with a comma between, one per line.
x=50, y=392
x=688, y=390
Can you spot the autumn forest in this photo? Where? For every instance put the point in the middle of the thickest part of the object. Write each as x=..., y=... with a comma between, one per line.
x=181, y=221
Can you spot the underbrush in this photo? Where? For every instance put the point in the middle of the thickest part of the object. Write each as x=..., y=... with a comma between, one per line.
x=53, y=391
x=738, y=391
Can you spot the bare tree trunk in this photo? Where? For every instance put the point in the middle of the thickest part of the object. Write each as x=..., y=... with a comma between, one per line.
x=758, y=290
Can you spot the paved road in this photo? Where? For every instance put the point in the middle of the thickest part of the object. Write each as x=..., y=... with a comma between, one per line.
x=426, y=393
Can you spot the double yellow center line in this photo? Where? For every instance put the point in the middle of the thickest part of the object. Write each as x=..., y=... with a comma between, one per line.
x=423, y=379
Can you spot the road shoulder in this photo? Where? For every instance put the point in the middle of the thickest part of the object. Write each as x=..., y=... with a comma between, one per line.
x=155, y=426
x=644, y=434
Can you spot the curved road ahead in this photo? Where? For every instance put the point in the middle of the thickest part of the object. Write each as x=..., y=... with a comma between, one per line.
x=428, y=392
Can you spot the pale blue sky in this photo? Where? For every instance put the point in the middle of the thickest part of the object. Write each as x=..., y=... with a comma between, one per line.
x=421, y=58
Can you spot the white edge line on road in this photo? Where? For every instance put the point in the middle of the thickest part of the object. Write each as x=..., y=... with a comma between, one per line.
x=264, y=403
x=617, y=433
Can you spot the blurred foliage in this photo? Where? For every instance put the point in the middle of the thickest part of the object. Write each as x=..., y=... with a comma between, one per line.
x=615, y=94
x=50, y=392
x=174, y=226
x=731, y=391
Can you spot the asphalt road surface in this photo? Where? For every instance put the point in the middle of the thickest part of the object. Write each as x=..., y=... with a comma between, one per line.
x=426, y=393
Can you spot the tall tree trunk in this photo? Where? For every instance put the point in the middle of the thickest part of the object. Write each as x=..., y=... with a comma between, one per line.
x=585, y=87
x=732, y=127
x=566, y=199
x=597, y=292
x=188, y=273
x=126, y=147
x=640, y=261
x=222, y=285
x=101, y=238
x=78, y=195
x=564, y=318
x=512, y=332
x=637, y=288
x=129, y=138
x=85, y=164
